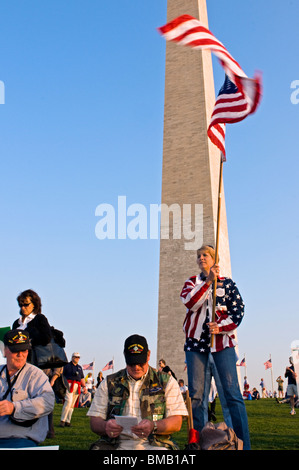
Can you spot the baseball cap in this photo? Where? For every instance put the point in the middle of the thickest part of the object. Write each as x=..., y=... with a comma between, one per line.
x=17, y=340
x=135, y=350
x=76, y=354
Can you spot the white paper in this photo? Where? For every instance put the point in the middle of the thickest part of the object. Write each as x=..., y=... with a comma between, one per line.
x=126, y=422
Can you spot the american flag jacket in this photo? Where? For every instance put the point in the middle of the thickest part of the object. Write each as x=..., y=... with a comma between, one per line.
x=197, y=296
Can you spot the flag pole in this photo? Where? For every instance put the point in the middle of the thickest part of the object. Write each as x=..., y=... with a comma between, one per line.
x=93, y=368
x=272, y=376
x=217, y=241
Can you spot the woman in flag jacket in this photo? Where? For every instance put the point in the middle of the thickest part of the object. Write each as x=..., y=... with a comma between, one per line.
x=197, y=296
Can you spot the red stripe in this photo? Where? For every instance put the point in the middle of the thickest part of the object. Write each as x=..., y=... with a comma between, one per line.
x=229, y=120
x=196, y=29
x=220, y=129
x=229, y=327
x=191, y=335
x=174, y=23
x=216, y=141
x=208, y=42
x=223, y=99
x=229, y=64
x=197, y=296
x=187, y=322
x=232, y=109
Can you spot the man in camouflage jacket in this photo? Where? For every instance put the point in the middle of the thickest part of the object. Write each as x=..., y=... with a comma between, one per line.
x=139, y=391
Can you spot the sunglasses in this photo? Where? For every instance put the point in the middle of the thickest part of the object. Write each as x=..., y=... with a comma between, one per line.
x=25, y=305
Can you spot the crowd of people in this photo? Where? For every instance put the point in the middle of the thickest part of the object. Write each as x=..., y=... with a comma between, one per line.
x=289, y=396
x=28, y=391
x=138, y=407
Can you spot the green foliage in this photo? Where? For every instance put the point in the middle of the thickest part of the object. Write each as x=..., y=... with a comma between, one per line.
x=271, y=428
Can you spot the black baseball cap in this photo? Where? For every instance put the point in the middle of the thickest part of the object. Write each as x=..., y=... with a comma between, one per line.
x=17, y=340
x=135, y=350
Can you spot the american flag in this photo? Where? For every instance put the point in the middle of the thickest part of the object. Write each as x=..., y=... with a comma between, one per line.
x=188, y=31
x=268, y=364
x=108, y=366
x=88, y=366
x=242, y=363
x=231, y=106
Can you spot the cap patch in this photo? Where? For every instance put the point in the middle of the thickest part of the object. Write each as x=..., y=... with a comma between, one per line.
x=19, y=338
x=135, y=349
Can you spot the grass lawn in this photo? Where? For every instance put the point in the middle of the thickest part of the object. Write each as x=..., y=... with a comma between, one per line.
x=271, y=428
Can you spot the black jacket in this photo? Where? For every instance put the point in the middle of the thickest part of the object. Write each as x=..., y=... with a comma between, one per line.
x=38, y=329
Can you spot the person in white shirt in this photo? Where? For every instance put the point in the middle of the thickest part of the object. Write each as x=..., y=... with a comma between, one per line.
x=139, y=391
x=26, y=396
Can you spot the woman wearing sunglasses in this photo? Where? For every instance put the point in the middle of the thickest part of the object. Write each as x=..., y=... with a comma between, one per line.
x=37, y=326
x=31, y=318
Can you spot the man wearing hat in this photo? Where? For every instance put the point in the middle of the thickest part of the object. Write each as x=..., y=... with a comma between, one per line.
x=26, y=396
x=141, y=392
x=73, y=373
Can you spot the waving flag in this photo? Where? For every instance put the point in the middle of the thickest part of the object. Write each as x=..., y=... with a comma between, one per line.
x=108, y=366
x=242, y=363
x=231, y=106
x=268, y=364
x=88, y=366
x=188, y=31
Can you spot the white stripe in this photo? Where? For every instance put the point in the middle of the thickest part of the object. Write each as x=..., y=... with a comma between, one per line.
x=182, y=29
x=228, y=115
x=230, y=105
x=218, y=136
x=217, y=49
x=200, y=36
x=229, y=95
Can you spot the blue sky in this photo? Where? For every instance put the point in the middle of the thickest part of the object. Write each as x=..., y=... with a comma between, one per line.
x=82, y=124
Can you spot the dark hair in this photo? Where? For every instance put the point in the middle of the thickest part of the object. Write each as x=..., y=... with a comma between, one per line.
x=35, y=299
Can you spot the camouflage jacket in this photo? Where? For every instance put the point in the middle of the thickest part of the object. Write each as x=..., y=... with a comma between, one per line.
x=152, y=400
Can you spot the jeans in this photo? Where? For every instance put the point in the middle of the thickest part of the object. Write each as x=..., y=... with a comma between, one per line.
x=211, y=371
x=16, y=443
x=225, y=362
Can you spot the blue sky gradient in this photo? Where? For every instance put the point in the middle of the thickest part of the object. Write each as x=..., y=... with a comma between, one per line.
x=82, y=124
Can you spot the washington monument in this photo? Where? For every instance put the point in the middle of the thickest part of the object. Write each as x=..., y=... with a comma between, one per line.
x=190, y=178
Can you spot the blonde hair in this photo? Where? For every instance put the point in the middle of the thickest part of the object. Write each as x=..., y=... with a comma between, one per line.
x=206, y=248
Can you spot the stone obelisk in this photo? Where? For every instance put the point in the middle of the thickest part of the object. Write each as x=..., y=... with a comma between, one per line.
x=190, y=179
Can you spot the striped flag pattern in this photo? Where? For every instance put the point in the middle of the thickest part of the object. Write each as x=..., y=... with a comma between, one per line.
x=88, y=366
x=188, y=31
x=108, y=366
x=230, y=106
x=268, y=364
x=242, y=363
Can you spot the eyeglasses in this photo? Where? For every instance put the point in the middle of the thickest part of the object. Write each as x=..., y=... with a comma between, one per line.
x=25, y=305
